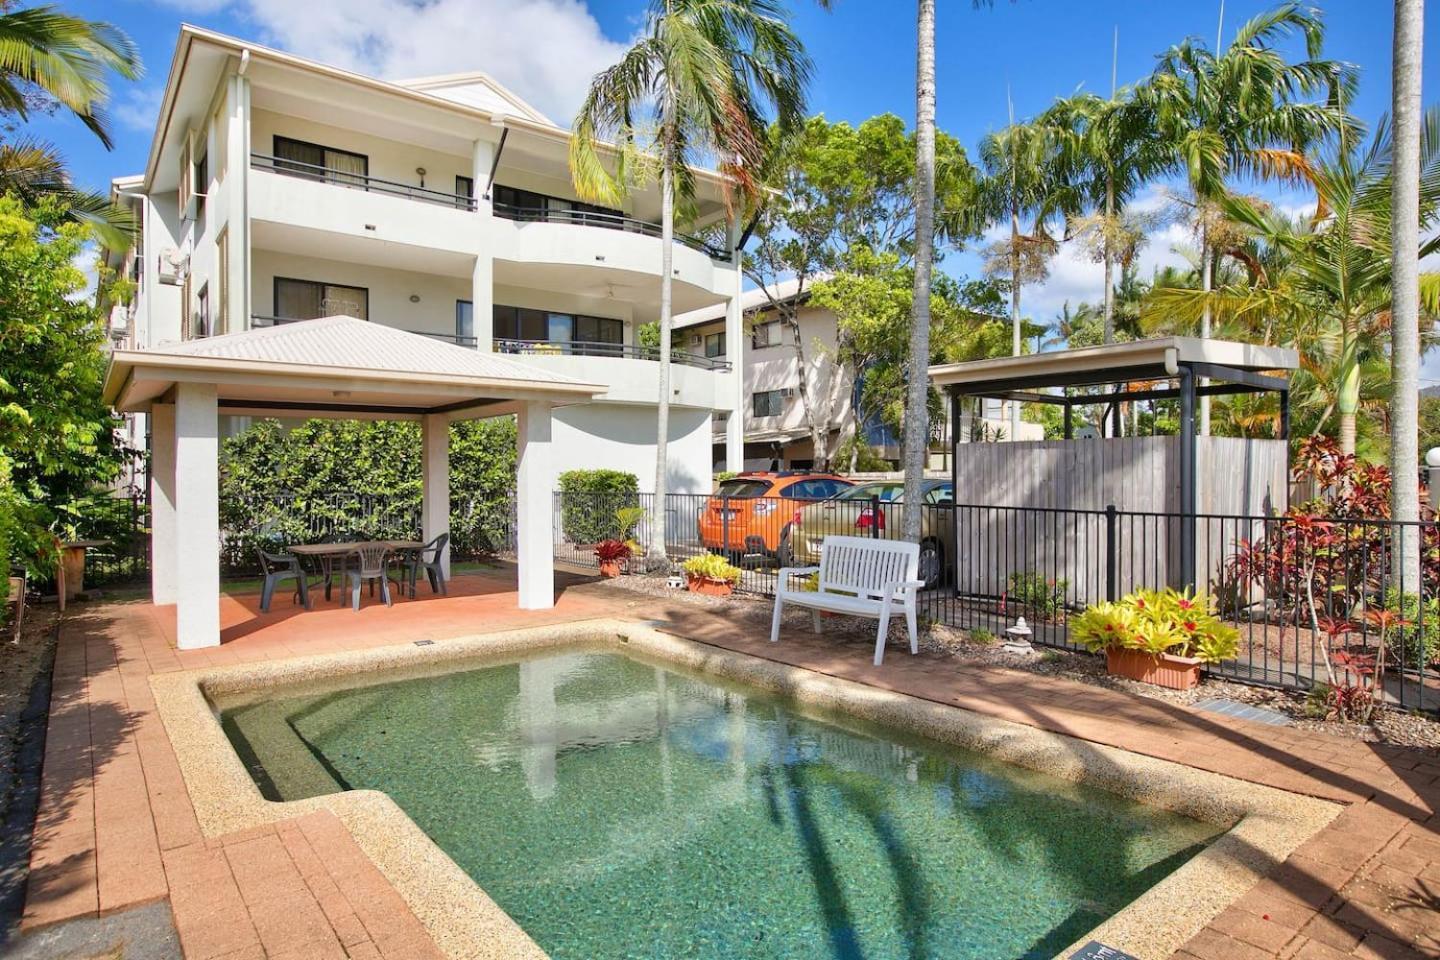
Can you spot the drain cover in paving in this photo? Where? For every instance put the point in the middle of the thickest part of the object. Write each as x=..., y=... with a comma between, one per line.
x=1242, y=711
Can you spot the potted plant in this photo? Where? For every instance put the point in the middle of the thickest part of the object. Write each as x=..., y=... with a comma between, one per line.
x=711, y=574
x=611, y=553
x=1157, y=636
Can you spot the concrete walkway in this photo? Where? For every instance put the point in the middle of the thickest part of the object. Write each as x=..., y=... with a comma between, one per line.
x=116, y=828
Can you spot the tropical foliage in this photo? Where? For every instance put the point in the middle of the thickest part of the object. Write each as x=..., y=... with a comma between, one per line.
x=1155, y=622
x=48, y=57
x=57, y=437
x=326, y=477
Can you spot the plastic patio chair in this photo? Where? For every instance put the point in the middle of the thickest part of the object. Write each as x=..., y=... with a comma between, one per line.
x=372, y=564
x=427, y=558
x=278, y=567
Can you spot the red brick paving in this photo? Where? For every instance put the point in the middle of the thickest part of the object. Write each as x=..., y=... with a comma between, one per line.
x=116, y=828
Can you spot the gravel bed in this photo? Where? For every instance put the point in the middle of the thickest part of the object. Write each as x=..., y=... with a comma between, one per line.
x=1395, y=727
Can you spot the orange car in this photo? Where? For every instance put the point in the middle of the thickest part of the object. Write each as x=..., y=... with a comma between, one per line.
x=762, y=505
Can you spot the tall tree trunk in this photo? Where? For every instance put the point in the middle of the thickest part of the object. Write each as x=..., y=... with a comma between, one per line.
x=1206, y=280
x=1405, y=283
x=655, y=552
x=1347, y=396
x=917, y=420
x=1014, y=312
x=821, y=455
x=1109, y=259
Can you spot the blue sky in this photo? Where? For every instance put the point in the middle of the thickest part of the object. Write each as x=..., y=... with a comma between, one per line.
x=863, y=50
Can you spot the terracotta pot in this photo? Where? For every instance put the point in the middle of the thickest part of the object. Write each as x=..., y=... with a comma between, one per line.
x=1164, y=670
x=711, y=588
x=610, y=568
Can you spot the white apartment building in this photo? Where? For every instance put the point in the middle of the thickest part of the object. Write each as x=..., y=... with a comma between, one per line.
x=279, y=189
x=776, y=429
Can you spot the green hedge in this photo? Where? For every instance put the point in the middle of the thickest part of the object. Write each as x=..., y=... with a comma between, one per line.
x=589, y=499
x=304, y=483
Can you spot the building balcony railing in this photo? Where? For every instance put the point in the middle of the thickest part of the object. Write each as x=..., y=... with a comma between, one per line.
x=606, y=221
x=356, y=181
x=575, y=348
x=259, y=320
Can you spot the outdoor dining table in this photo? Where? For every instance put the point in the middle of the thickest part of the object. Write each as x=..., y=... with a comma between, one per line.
x=342, y=550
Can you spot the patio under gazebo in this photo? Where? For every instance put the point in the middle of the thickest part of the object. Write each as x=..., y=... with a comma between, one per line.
x=333, y=367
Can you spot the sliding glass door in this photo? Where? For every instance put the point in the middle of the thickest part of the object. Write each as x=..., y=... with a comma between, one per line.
x=308, y=299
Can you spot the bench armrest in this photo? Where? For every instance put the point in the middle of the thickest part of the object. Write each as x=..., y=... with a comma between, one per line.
x=782, y=582
x=903, y=587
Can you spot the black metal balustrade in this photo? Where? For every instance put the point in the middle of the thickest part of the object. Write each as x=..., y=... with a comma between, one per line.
x=577, y=348
x=357, y=181
x=607, y=221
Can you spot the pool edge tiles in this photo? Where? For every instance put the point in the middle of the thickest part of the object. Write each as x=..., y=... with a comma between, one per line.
x=1264, y=824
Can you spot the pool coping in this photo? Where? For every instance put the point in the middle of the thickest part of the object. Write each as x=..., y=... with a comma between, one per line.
x=1265, y=824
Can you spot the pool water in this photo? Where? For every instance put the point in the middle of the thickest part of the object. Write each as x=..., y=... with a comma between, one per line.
x=616, y=808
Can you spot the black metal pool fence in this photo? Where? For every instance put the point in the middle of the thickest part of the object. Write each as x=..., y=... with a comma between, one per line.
x=1298, y=590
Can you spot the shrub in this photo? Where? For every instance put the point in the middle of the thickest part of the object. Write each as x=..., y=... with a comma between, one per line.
x=590, y=500
x=982, y=637
x=1032, y=590
x=1417, y=639
x=1156, y=622
x=712, y=566
x=612, y=551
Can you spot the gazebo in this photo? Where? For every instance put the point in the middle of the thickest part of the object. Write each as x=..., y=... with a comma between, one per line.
x=1175, y=478
x=335, y=367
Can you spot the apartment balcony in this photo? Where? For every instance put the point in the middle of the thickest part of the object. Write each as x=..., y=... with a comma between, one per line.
x=605, y=221
x=319, y=211
x=631, y=372
x=572, y=348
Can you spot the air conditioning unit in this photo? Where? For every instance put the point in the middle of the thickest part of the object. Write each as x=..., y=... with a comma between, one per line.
x=694, y=339
x=172, y=266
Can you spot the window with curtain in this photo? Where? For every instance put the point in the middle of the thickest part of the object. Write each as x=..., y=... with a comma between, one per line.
x=308, y=299
x=316, y=162
x=523, y=323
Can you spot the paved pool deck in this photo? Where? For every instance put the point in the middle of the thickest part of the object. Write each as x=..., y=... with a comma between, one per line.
x=116, y=827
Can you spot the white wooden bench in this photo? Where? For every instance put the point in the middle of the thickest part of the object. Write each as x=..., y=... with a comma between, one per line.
x=860, y=577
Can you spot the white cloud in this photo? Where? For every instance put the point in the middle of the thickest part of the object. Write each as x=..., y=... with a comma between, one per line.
x=139, y=107
x=545, y=50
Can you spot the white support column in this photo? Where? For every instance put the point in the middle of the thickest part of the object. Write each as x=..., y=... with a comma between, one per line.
x=735, y=343
x=197, y=516
x=237, y=161
x=482, y=279
x=435, y=480
x=162, y=503
x=534, y=511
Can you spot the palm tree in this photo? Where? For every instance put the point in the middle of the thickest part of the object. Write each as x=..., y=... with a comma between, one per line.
x=1027, y=176
x=1110, y=150
x=701, y=73
x=917, y=421
x=1242, y=112
x=46, y=55
x=1325, y=280
x=1405, y=268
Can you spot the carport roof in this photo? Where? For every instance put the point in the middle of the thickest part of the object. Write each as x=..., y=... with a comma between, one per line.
x=334, y=366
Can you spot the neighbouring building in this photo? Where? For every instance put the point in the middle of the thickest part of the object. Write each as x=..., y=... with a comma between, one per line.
x=279, y=189
x=776, y=428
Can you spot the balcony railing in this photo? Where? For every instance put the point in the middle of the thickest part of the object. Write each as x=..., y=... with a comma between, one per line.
x=573, y=348
x=259, y=320
x=607, y=221
x=356, y=181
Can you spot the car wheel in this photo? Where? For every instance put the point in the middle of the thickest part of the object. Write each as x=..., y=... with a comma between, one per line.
x=932, y=563
x=785, y=553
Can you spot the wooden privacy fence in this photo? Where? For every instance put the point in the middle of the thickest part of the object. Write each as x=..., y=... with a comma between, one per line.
x=1060, y=490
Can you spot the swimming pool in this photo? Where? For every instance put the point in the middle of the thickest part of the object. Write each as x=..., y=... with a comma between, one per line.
x=617, y=806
